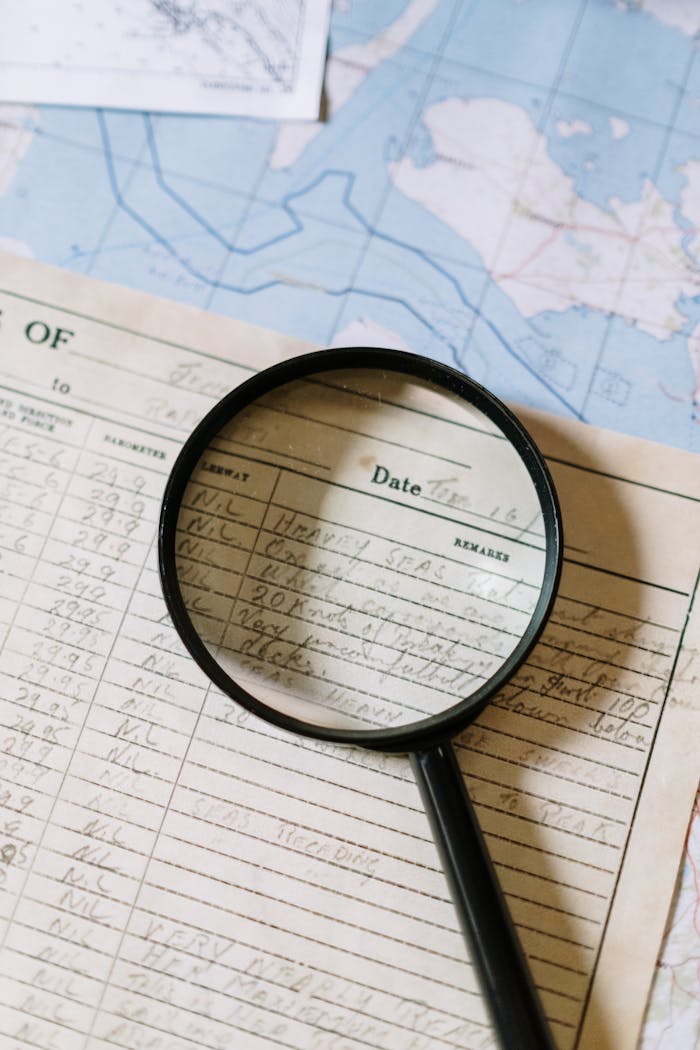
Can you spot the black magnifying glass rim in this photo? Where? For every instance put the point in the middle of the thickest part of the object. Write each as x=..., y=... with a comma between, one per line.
x=425, y=732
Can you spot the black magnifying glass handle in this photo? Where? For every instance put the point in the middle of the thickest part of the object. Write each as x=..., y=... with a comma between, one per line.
x=483, y=914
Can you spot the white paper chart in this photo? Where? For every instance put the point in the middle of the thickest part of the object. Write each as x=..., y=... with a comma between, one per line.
x=264, y=58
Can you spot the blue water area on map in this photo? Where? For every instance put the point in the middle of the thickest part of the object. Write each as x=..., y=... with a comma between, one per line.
x=497, y=37
x=689, y=306
x=330, y=195
x=672, y=178
x=279, y=286
x=229, y=153
x=620, y=59
x=436, y=311
x=177, y=250
x=601, y=166
x=688, y=116
x=363, y=20
x=654, y=400
x=66, y=219
x=452, y=80
x=127, y=133
x=270, y=225
x=364, y=133
x=560, y=348
x=78, y=130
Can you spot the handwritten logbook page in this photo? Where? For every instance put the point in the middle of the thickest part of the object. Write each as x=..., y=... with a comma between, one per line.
x=175, y=873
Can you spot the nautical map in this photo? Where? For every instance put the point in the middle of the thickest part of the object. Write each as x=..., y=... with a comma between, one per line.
x=511, y=186
x=259, y=58
x=264, y=34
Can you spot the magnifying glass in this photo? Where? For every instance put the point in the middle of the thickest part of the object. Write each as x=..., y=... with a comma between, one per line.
x=362, y=546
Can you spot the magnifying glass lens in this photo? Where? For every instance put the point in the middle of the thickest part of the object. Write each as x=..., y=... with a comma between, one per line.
x=360, y=549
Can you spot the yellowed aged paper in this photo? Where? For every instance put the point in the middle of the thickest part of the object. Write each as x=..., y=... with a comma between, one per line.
x=176, y=874
x=640, y=526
